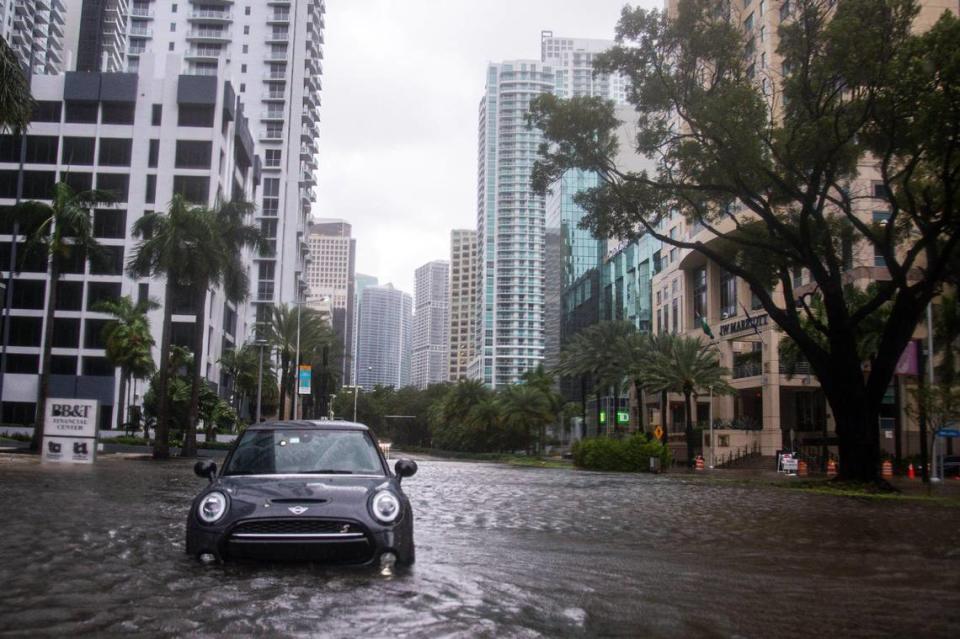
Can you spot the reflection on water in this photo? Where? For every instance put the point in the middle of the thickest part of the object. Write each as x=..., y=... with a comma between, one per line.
x=500, y=552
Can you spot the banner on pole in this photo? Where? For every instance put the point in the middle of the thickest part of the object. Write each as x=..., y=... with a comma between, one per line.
x=304, y=377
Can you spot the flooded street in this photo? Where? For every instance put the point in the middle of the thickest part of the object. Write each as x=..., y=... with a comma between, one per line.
x=501, y=552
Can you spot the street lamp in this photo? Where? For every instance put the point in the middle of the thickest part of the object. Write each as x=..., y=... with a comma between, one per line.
x=260, y=344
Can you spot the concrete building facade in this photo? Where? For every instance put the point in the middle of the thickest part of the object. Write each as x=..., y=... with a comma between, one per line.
x=360, y=282
x=383, y=337
x=143, y=137
x=331, y=275
x=431, y=325
x=464, y=285
x=35, y=30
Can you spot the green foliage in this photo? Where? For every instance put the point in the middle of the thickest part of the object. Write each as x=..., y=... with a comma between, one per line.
x=768, y=165
x=631, y=454
x=16, y=103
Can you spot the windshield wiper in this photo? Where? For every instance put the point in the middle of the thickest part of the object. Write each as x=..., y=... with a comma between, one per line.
x=328, y=471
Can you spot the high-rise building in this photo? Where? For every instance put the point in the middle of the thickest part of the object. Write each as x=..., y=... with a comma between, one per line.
x=510, y=226
x=143, y=137
x=463, y=301
x=102, y=36
x=35, y=30
x=360, y=282
x=330, y=275
x=431, y=324
x=383, y=337
x=272, y=52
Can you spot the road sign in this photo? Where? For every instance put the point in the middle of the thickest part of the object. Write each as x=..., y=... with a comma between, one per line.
x=948, y=432
x=658, y=432
x=303, y=379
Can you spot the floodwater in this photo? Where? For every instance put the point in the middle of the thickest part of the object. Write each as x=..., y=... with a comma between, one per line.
x=501, y=552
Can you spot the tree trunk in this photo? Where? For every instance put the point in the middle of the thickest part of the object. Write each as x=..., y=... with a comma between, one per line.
x=284, y=372
x=857, y=427
x=688, y=429
x=190, y=436
x=161, y=442
x=121, y=398
x=43, y=386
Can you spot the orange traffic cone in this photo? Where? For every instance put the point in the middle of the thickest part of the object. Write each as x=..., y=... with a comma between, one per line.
x=802, y=469
x=887, y=472
x=831, y=468
x=699, y=465
x=911, y=473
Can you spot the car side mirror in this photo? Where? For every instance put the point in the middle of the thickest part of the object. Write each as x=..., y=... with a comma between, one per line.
x=205, y=468
x=405, y=468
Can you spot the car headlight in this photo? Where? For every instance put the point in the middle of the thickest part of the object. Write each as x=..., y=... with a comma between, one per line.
x=212, y=507
x=386, y=507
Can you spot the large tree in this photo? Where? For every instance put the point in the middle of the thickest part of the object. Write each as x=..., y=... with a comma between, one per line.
x=766, y=162
x=16, y=103
x=292, y=326
x=63, y=231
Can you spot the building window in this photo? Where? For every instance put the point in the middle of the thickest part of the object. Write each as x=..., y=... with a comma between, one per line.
x=115, y=151
x=676, y=315
x=9, y=148
x=78, y=150
x=66, y=332
x=700, y=292
x=25, y=331
x=193, y=154
x=150, y=193
x=98, y=367
x=109, y=223
x=69, y=296
x=82, y=112
x=153, y=156
x=272, y=157
x=728, y=294
x=46, y=111
x=193, y=188
x=42, y=149
x=117, y=183
x=38, y=185
x=110, y=262
x=63, y=364
x=29, y=294
x=156, y=115
x=100, y=291
x=118, y=112
x=195, y=115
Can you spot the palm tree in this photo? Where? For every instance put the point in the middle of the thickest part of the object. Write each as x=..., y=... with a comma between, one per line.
x=289, y=326
x=595, y=354
x=685, y=365
x=16, y=103
x=129, y=343
x=241, y=366
x=326, y=372
x=63, y=231
x=173, y=246
x=545, y=382
x=484, y=419
x=223, y=234
x=636, y=351
x=526, y=409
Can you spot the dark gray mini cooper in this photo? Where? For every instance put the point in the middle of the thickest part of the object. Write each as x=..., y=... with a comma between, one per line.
x=306, y=491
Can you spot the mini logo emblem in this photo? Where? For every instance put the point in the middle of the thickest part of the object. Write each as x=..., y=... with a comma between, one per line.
x=297, y=510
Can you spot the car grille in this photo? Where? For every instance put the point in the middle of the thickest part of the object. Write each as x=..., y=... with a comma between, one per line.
x=290, y=526
x=325, y=540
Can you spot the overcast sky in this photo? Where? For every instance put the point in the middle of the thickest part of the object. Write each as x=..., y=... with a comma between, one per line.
x=398, y=134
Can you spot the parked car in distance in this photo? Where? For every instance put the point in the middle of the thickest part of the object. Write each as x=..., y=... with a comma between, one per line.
x=304, y=491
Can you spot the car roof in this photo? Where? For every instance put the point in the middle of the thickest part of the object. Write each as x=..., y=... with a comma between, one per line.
x=326, y=424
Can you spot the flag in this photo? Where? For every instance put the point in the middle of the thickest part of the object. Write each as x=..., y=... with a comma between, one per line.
x=706, y=327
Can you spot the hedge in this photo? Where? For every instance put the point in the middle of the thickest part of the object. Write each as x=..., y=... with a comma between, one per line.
x=631, y=454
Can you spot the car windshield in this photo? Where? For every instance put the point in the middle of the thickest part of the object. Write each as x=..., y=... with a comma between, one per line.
x=305, y=451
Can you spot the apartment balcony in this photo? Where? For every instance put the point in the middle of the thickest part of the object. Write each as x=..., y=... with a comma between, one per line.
x=136, y=51
x=136, y=12
x=273, y=115
x=279, y=17
x=202, y=54
x=273, y=96
x=275, y=75
x=275, y=55
x=277, y=36
x=211, y=16
x=140, y=32
x=209, y=35
x=266, y=135
x=272, y=165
